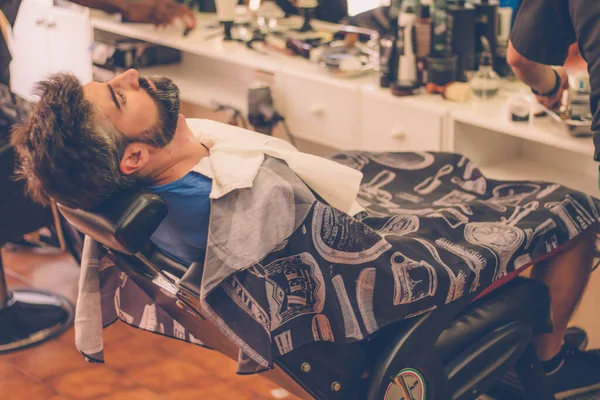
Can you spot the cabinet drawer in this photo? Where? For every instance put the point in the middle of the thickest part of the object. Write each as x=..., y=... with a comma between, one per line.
x=321, y=112
x=395, y=124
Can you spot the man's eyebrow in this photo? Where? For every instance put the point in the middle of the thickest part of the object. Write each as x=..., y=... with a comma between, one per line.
x=114, y=98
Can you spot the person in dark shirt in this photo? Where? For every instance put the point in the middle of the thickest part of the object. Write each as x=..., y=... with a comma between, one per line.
x=539, y=45
x=327, y=10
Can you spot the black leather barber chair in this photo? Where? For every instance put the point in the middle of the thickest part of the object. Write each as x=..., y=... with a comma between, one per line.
x=454, y=352
x=27, y=316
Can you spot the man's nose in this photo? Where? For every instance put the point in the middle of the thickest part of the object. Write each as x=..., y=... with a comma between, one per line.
x=130, y=79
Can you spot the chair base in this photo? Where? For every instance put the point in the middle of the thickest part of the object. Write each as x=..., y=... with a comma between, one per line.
x=31, y=317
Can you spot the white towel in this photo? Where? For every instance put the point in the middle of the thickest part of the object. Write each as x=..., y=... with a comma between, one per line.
x=236, y=155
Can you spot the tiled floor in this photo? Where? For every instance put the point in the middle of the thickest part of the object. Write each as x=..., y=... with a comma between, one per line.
x=140, y=365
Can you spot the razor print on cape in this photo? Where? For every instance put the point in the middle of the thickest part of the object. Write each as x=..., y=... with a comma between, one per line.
x=431, y=183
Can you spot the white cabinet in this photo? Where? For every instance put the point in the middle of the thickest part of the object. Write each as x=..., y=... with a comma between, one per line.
x=49, y=39
x=321, y=112
x=69, y=42
x=30, y=47
x=391, y=123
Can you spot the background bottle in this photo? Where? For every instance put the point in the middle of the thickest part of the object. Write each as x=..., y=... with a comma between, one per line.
x=485, y=83
x=423, y=39
x=407, y=61
x=441, y=31
x=463, y=37
x=485, y=25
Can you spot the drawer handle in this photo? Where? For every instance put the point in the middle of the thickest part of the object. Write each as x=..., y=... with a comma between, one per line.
x=317, y=110
x=398, y=133
x=40, y=21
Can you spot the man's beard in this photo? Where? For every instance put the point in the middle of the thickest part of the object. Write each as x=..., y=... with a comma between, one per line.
x=166, y=97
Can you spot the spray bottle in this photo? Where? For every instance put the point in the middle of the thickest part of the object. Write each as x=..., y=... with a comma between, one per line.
x=407, y=79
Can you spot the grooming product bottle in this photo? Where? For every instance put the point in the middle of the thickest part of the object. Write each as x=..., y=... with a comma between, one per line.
x=441, y=70
x=388, y=43
x=387, y=51
x=423, y=39
x=226, y=15
x=463, y=38
x=441, y=33
x=504, y=21
x=407, y=60
x=485, y=25
x=486, y=82
x=441, y=65
x=307, y=7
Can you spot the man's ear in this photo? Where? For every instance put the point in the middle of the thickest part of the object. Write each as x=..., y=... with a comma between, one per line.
x=135, y=158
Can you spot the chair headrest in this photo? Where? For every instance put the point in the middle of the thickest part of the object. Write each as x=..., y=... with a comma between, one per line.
x=123, y=223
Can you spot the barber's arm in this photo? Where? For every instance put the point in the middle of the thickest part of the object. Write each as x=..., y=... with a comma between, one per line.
x=547, y=82
x=540, y=38
x=158, y=12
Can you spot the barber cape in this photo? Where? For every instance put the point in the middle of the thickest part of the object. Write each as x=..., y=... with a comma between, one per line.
x=239, y=209
x=287, y=266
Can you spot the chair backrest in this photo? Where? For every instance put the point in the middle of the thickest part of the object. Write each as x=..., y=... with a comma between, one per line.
x=123, y=223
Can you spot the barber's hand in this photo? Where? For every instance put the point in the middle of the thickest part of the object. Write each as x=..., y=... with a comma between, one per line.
x=554, y=101
x=158, y=12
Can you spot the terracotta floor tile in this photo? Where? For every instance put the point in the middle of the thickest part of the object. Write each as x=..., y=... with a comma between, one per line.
x=68, y=290
x=118, y=331
x=68, y=338
x=261, y=387
x=138, y=393
x=220, y=365
x=8, y=370
x=22, y=387
x=131, y=353
x=176, y=346
x=15, y=281
x=40, y=263
x=48, y=360
x=90, y=382
x=217, y=391
x=59, y=397
x=196, y=354
x=169, y=374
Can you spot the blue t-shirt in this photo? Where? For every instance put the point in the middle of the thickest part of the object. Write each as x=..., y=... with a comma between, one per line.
x=183, y=233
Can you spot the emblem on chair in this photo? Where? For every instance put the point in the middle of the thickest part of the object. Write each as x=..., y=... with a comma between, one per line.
x=408, y=384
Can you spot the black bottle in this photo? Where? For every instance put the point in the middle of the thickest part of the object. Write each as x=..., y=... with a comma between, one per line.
x=485, y=25
x=463, y=37
x=441, y=31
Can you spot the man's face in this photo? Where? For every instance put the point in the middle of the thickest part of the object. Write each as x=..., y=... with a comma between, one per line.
x=137, y=105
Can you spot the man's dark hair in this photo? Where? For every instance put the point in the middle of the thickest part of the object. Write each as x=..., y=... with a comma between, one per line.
x=68, y=150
